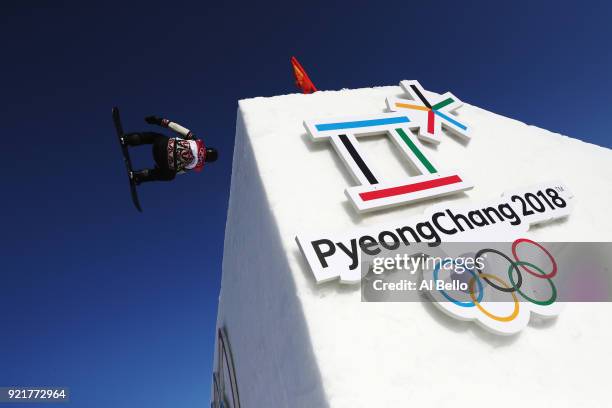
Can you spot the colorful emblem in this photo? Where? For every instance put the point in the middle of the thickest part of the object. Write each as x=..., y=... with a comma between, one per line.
x=434, y=113
x=373, y=193
x=502, y=295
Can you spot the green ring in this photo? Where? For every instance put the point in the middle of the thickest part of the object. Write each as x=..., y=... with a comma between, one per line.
x=553, y=296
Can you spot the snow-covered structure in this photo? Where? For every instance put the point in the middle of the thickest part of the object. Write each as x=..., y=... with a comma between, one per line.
x=296, y=343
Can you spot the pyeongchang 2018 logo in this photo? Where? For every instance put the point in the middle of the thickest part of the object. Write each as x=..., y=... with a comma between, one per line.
x=421, y=117
x=426, y=118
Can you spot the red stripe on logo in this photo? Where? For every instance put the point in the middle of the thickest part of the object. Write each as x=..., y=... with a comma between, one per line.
x=430, y=121
x=409, y=188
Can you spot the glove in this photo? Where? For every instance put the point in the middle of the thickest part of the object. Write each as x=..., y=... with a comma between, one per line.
x=153, y=120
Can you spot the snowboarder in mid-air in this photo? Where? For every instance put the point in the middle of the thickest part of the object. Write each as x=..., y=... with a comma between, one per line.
x=172, y=155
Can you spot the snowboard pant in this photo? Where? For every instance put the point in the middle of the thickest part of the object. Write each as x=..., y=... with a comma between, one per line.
x=161, y=172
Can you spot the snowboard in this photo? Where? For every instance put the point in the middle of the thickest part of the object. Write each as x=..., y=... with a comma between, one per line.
x=126, y=158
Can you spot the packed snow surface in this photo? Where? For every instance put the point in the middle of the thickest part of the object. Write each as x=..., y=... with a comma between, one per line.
x=299, y=344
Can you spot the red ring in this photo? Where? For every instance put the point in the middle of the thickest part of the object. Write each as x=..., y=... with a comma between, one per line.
x=526, y=269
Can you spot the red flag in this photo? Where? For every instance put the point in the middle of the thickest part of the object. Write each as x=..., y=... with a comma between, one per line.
x=301, y=77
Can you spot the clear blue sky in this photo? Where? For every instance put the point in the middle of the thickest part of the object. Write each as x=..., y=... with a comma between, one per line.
x=121, y=306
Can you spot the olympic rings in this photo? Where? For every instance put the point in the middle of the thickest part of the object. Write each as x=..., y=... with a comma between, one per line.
x=501, y=289
x=543, y=275
x=451, y=299
x=508, y=318
x=495, y=282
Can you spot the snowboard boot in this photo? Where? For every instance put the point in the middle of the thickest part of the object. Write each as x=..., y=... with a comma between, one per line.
x=133, y=139
x=141, y=176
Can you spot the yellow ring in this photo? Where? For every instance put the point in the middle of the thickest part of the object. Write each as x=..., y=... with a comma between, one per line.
x=482, y=309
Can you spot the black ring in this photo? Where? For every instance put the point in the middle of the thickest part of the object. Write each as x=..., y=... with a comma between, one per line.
x=500, y=288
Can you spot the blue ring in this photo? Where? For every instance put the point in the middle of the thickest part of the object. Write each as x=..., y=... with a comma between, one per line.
x=455, y=301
